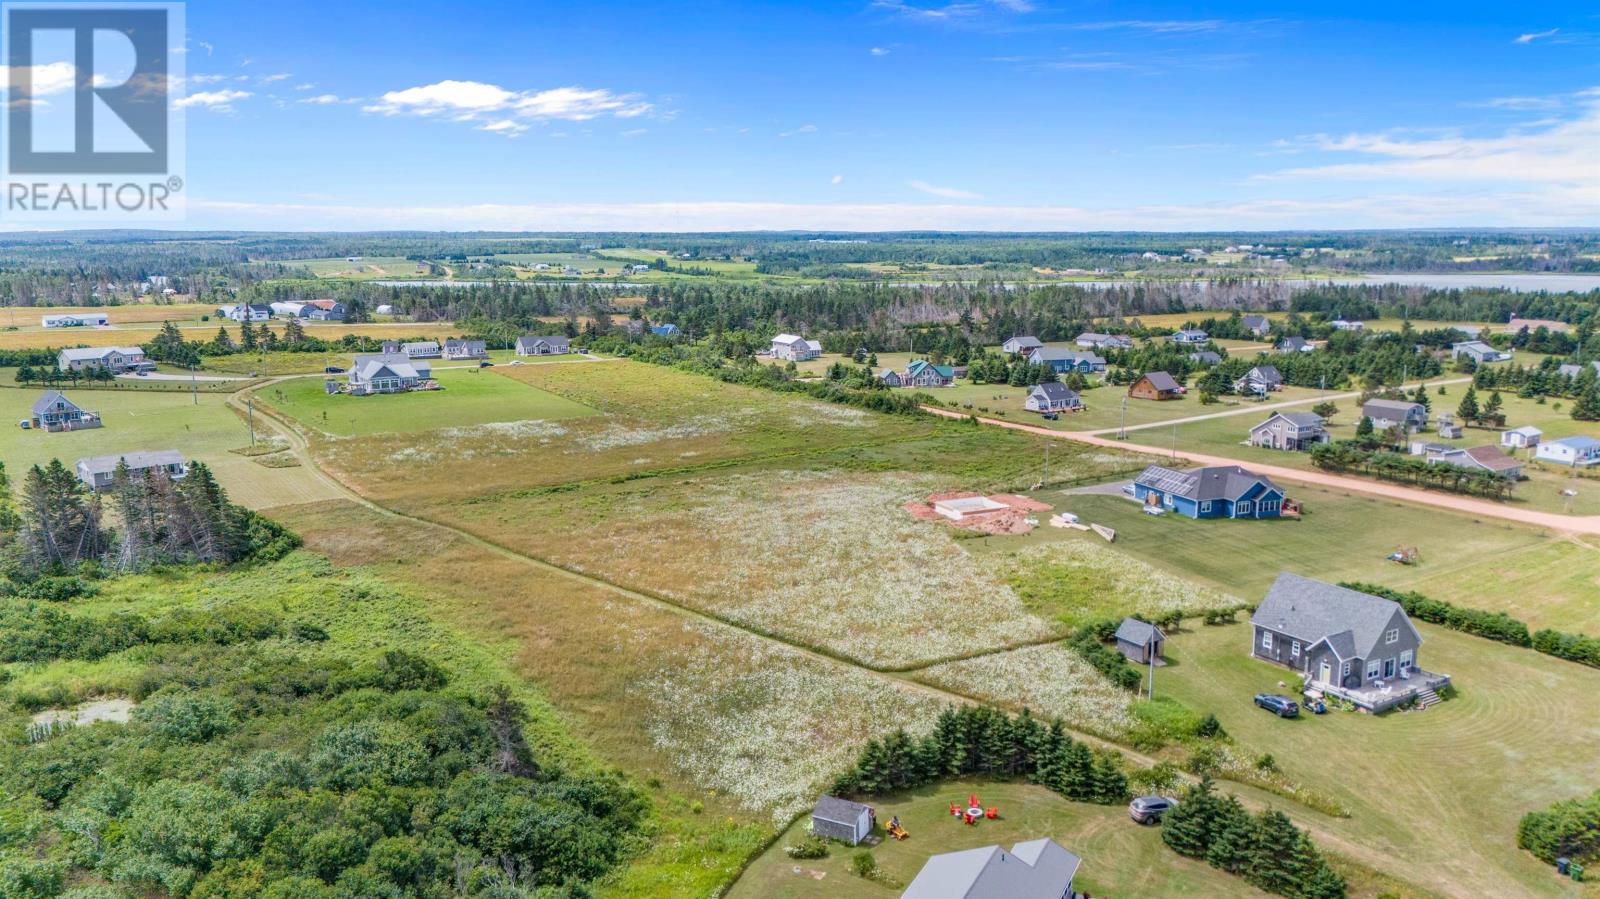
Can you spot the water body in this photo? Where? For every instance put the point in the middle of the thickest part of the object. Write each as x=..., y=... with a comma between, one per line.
x=1519, y=281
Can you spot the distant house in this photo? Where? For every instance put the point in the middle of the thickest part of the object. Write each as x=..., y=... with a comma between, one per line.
x=116, y=359
x=1261, y=379
x=1036, y=869
x=1295, y=345
x=76, y=320
x=840, y=819
x=536, y=345
x=1577, y=451
x=1340, y=324
x=1155, y=385
x=891, y=378
x=923, y=373
x=384, y=309
x=422, y=349
x=665, y=330
x=1021, y=344
x=1477, y=351
x=1222, y=491
x=1190, y=336
x=1052, y=396
x=794, y=348
x=465, y=349
x=97, y=472
x=1091, y=340
x=395, y=373
x=287, y=309
x=1521, y=438
x=323, y=311
x=1572, y=370
x=1205, y=357
x=1259, y=325
x=1293, y=431
x=1479, y=458
x=1140, y=641
x=1360, y=647
x=1448, y=427
x=1386, y=414
x=1062, y=361
x=54, y=412
x=246, y=312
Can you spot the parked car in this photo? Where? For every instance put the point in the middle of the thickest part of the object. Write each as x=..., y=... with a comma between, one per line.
x=1282, y=706
x=1149, y=809
x=1051, y=416
x=25, y=424
x=333, y=370
x=1128, y=490
x=486, y=364
x=1154, y=510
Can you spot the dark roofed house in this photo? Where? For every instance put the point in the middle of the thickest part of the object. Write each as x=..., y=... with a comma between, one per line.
x=1354, y=645
x=1261, y=379
x=1140, y=641
x=97, y=472
x=1190, y=336
x=1052, y=396
x=1386, y=414
x=1221, y=491
x=54, y=412
x=1295, y=344
x=1021, y=344
x=922, y=373
x=1258, y=324
x=1293, y=431
x=536, y=345
x=1205, y=357
x=465, y=349
x=840, y=819
x=1155, y=385
x=1036, y=869
x=1479, y=458
x=1062, y=361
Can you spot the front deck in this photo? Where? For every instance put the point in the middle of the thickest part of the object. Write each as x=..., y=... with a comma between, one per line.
x=1382, y=695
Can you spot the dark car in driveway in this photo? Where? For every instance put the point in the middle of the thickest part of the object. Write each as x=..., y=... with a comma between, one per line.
x=1149, y=809
x=1282, y=706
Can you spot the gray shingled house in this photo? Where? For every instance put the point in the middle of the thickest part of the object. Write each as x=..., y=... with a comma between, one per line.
x=1140, y=641
x=1294, y=431
x=1386, y=414
x=54, y=412
x=537, y=345
x=97, y=472
x=1261, y=379
x=841, y=819
x=1036, y=869
x=1349, y=644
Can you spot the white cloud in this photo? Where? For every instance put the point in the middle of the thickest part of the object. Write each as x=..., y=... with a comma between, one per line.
x=952, y=193
x=1563, y=152
x=52, y=78
x=1543, y=208
x=305, y=86
x=879, y=51
x=1154, y=26
x=322, y=100
x=633, y=132
x=836, y=179
x=803, y=129
x=1535, y=35
x=207, y=79
x=207, y=47
x=960, y=11
x=504, y=111
x=221, y=101
x=280, y=76
x=1519, y=103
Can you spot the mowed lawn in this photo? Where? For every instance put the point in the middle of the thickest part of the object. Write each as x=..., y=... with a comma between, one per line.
x=1120, y=858
x=1441, y=791
x=152, y=420
x=470, y=397
x=1347, y=537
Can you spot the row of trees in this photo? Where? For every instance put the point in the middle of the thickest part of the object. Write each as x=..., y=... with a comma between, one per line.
x=1266, y=849
x=1568, y=829
x=985, y=740
x=1498, y=626
x=1348, y=455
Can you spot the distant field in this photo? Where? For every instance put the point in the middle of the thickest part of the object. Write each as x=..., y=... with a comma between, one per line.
x=367, y=268
x=197, y=330
x=470, y=397
x=29, y=316
x=151, y=420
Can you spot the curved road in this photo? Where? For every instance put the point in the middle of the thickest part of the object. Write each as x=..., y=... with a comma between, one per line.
x=1566, y=524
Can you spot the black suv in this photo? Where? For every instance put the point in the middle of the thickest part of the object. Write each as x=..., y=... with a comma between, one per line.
x=1282, y=706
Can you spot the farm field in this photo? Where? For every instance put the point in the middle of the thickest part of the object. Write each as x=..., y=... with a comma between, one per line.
x=139, y=334
x=151, y=420
x=1337, y=541
x=1442, y=789
x=471, y=397
x=367, y=268
x=1121, y=858
x=28, y=317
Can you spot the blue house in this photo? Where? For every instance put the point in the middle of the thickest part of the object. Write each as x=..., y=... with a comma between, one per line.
x=1063, y=361
x=666, y=330
x=1222, y=491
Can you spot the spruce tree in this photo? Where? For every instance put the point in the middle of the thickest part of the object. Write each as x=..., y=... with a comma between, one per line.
x=1187, y=829
x=1468, y=410
x=1271, y=865
x=1232, y=837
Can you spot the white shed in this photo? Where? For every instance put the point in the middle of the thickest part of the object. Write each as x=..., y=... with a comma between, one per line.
x=1521, y=438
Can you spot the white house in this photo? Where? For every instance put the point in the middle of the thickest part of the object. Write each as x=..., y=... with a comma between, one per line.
x=795, y=348
x=1575, y=451
x=1340, y=324
x=76, y=320
x=1521, y=438
x=287, y=309
x=536, y=345
x=1477, y=351
x=96, y=472
x=116, y=359
x=1052, y=396
x=246, y=312
x=1190, y=336
x=1023, y=344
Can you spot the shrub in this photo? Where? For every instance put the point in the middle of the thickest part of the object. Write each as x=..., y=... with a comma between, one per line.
x=812, y=846
x=862, y=864
x=1209, y=727
x=1568, y=829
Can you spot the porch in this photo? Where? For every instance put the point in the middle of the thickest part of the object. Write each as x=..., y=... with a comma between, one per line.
x=1381, y=695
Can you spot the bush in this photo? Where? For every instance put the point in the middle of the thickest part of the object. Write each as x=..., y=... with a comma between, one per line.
x=812, y=846
x=1567, y=829
x=1498, y=626
x=862, y=864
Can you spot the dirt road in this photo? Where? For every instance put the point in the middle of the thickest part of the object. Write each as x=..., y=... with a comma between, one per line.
x=1566, y=524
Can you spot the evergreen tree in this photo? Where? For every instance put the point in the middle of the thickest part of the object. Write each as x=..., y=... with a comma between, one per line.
x=1587, y=406
x=1232, y=837
x=60, y=521
x=1364, y=431
x=1468, y=410
x=1187, y=829
x=1491, y=409
x=1272, y=862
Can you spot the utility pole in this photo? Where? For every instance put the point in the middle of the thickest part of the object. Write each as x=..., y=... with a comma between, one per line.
x=250, y=404
x=1122, y=428
x=194, y=386
x=1152, y=675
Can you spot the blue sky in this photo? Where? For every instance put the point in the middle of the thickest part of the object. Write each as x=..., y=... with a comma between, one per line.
x=977, y=114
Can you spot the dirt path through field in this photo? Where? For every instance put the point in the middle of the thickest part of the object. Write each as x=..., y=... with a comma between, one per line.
x=1564, y=524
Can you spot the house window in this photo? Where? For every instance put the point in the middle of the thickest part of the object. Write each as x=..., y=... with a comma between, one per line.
x=1344, y=671
x=1242, y=508
x=1392, y=636
x=1205, y=506
x=1266, y=639
x=1372, y=669
x=1294, y=649
x=1388, y=667
x=1406, y=660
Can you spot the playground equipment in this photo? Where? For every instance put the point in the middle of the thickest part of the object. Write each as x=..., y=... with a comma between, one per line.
x=1406, y=555
x=896, y=829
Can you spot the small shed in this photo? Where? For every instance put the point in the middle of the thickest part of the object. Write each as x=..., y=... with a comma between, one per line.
x=1140, y=641
x=840, y=819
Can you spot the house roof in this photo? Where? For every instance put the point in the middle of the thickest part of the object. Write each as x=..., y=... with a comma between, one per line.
x=135, y=460
x=1492, y=458
x=1578, y=443
x=43, y=403
x=1093, y=336
x=1400, y=408
x=1298, y=419
x=1254, y=321
x=1293, y=343
x=1025, y=341
x=916, y=367
x=1475, y=346
x=399, y=365
x=1267, y=373
x=1138, y=632
x=1161, y=381
x=421, y=345
x=530, y=340
x=1190, y=334
x=1036, y=869
x=99, y=352
x=1217, y=482
x=1205, y=356
x=789, y=339
x=1055, y=391
x=469, y=344
x=1527, y=431
x=839, y=811
x=1052, y=354
x=1313, y=610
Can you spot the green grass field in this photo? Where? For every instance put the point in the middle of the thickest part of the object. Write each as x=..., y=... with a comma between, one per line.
x=152, y=420
x=469, y=397
x=1120, y=858
x=1440, y=789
